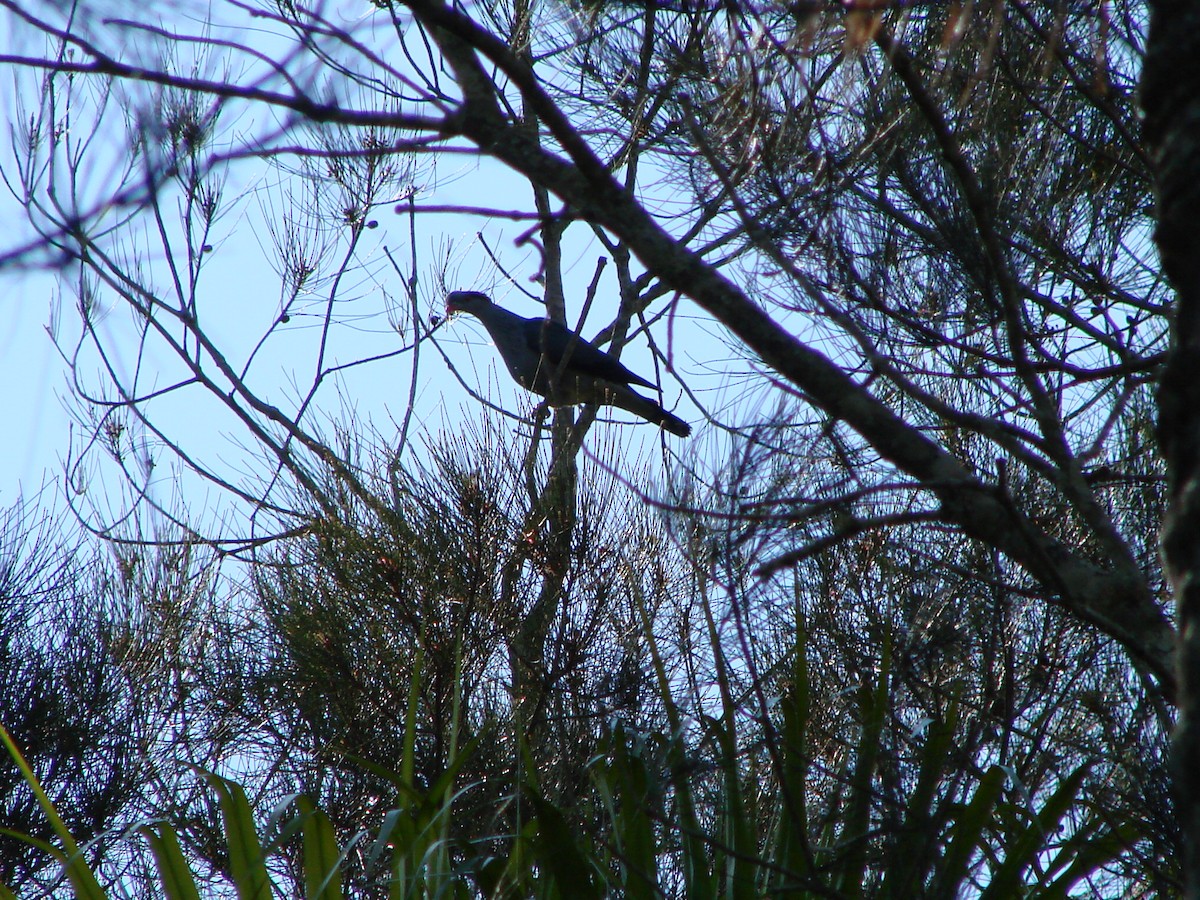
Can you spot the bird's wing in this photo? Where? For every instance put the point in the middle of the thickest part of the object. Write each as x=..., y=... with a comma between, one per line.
x=552, y=340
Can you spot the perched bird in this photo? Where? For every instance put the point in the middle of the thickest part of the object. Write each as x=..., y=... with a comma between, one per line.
x=544, y=357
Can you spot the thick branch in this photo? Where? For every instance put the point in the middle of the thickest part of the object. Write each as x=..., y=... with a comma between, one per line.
x=1112, y=595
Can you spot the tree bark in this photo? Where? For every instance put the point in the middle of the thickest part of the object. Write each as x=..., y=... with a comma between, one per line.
x=1171, y=98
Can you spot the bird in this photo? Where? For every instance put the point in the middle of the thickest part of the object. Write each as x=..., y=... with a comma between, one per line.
x=549, y=359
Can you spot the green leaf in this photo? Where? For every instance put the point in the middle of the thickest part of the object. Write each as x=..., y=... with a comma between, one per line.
x=918, y=845
x=740, y=863
x=699, y=881
x=174, y=874
x=1025, y=844
x=247, y=863
x=82, y=880
x=964, y=843
x=322, y=856
x=624, y=783
x=792, y=850
x=1084, y=854
x=560, y=855
x=873, y=703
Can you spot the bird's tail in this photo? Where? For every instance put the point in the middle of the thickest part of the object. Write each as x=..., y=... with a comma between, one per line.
x=649, y=410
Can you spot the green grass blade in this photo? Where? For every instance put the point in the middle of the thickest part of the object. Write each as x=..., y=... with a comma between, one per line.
x=174, y=874
x=698, y=878
x=964, y=843
x=82, y=880
x=558, y=853
x=247, y=864
x=322, y=856
x=1024, y=846
x=873, y=703
x=792, y=850
x=914, y=853
x=1085, y=853
x=625, y=786
x=740, y=862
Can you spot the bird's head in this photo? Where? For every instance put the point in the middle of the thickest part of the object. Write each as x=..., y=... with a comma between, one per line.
x=466, y=301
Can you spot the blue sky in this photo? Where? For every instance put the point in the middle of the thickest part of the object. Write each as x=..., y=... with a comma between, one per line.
x=241, y=292
x=31, y=377
x=242, y=285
